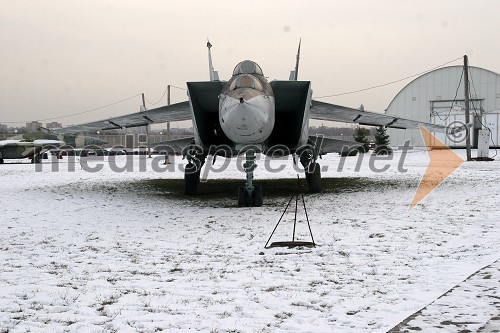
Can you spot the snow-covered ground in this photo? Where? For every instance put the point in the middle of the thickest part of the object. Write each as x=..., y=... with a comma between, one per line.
x=471, y=306
x=102, y=252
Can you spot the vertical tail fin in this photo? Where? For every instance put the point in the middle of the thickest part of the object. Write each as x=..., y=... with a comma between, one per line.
x=295, y=73
x=214, y=76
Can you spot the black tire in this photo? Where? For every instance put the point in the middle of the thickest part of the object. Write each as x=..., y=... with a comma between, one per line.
x=1, y=160
x=314, y=174
x=198, y=175
x=190, y=179
x=257, y=196
x=242, y=196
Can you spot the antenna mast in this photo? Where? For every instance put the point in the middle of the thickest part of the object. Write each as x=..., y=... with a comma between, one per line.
x=297, y=62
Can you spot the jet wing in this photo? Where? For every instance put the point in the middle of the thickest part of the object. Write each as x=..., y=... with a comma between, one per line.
x=332, y=112
x=175, y=112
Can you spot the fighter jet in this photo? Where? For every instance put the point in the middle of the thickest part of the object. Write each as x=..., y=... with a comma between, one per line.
x=33, y=145
x=248, y=115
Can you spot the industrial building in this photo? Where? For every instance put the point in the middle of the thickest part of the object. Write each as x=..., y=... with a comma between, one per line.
x=33, y=126
x=438, y=97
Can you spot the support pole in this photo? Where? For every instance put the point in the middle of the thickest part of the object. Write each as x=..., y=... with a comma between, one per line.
x=296, y=204
x=147, y=126
x=168, y=125
x=307, y=219
x=295, y=217
x=467, y=115
x=168, y=103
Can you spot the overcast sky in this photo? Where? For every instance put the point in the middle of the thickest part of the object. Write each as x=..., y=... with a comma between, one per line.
x=63, y=57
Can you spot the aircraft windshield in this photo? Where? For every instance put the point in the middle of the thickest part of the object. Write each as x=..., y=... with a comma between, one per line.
x=247, y=67
x=246, y=81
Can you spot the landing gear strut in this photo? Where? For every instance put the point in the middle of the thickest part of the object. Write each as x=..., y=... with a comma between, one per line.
x=192, y=175
x=313, y=177
x=312, y=170
x=249, y=194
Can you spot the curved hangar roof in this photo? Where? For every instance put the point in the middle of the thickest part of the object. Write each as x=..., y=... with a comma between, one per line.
x=429, y=98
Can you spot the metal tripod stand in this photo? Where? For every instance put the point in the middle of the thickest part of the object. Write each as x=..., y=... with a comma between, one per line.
x=293, y=243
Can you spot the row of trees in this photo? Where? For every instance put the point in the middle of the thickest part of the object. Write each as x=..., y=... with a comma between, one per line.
x=382, y=140
x=334, y=131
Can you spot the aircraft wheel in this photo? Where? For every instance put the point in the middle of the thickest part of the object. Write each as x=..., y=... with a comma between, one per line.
x=242, y=196
x=191, y=179
x=257, y=196
x=314, y=178
x=198, y=175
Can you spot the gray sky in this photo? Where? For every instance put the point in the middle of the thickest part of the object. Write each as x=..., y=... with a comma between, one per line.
x=64, y=57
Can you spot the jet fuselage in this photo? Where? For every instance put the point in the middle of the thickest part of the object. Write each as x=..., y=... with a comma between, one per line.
x=246, y=106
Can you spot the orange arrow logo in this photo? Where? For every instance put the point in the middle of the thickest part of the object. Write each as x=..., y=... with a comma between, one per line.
x=443, y=161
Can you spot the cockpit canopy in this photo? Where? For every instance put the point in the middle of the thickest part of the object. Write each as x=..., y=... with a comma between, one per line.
x=246, y=81
x=247, y=67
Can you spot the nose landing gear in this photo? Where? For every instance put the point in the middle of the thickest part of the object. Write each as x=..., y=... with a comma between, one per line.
x=250, y=195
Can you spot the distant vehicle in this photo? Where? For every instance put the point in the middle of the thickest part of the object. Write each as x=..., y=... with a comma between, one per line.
x=20, y=149
x=33, y=145
x=247, y=115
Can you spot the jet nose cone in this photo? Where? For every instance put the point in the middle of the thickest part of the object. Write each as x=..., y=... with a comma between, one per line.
x=247, y=120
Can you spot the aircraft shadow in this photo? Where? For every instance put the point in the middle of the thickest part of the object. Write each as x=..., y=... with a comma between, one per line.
x=215, y=189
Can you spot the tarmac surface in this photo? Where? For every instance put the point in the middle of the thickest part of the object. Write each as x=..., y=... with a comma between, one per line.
x=471, y=306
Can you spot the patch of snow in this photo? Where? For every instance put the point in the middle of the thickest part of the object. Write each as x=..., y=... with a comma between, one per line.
x=89, y=252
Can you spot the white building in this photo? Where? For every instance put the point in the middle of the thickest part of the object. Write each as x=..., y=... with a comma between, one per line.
x=438, y=97
x=33, y=126
x=53, y=124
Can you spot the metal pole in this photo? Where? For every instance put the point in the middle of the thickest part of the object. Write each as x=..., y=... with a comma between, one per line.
x=467, y=115
x=147, y=126
x=296, y=203
x=168, y=103
x=307, y=218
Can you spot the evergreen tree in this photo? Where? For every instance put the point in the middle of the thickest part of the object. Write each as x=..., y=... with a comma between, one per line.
x=360, y=136
x=382, y=142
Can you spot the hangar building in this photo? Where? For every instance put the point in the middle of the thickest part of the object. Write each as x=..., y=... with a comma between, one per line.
x=438, y=97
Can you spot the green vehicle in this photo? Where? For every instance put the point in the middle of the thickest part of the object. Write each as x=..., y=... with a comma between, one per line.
x=33, y=145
